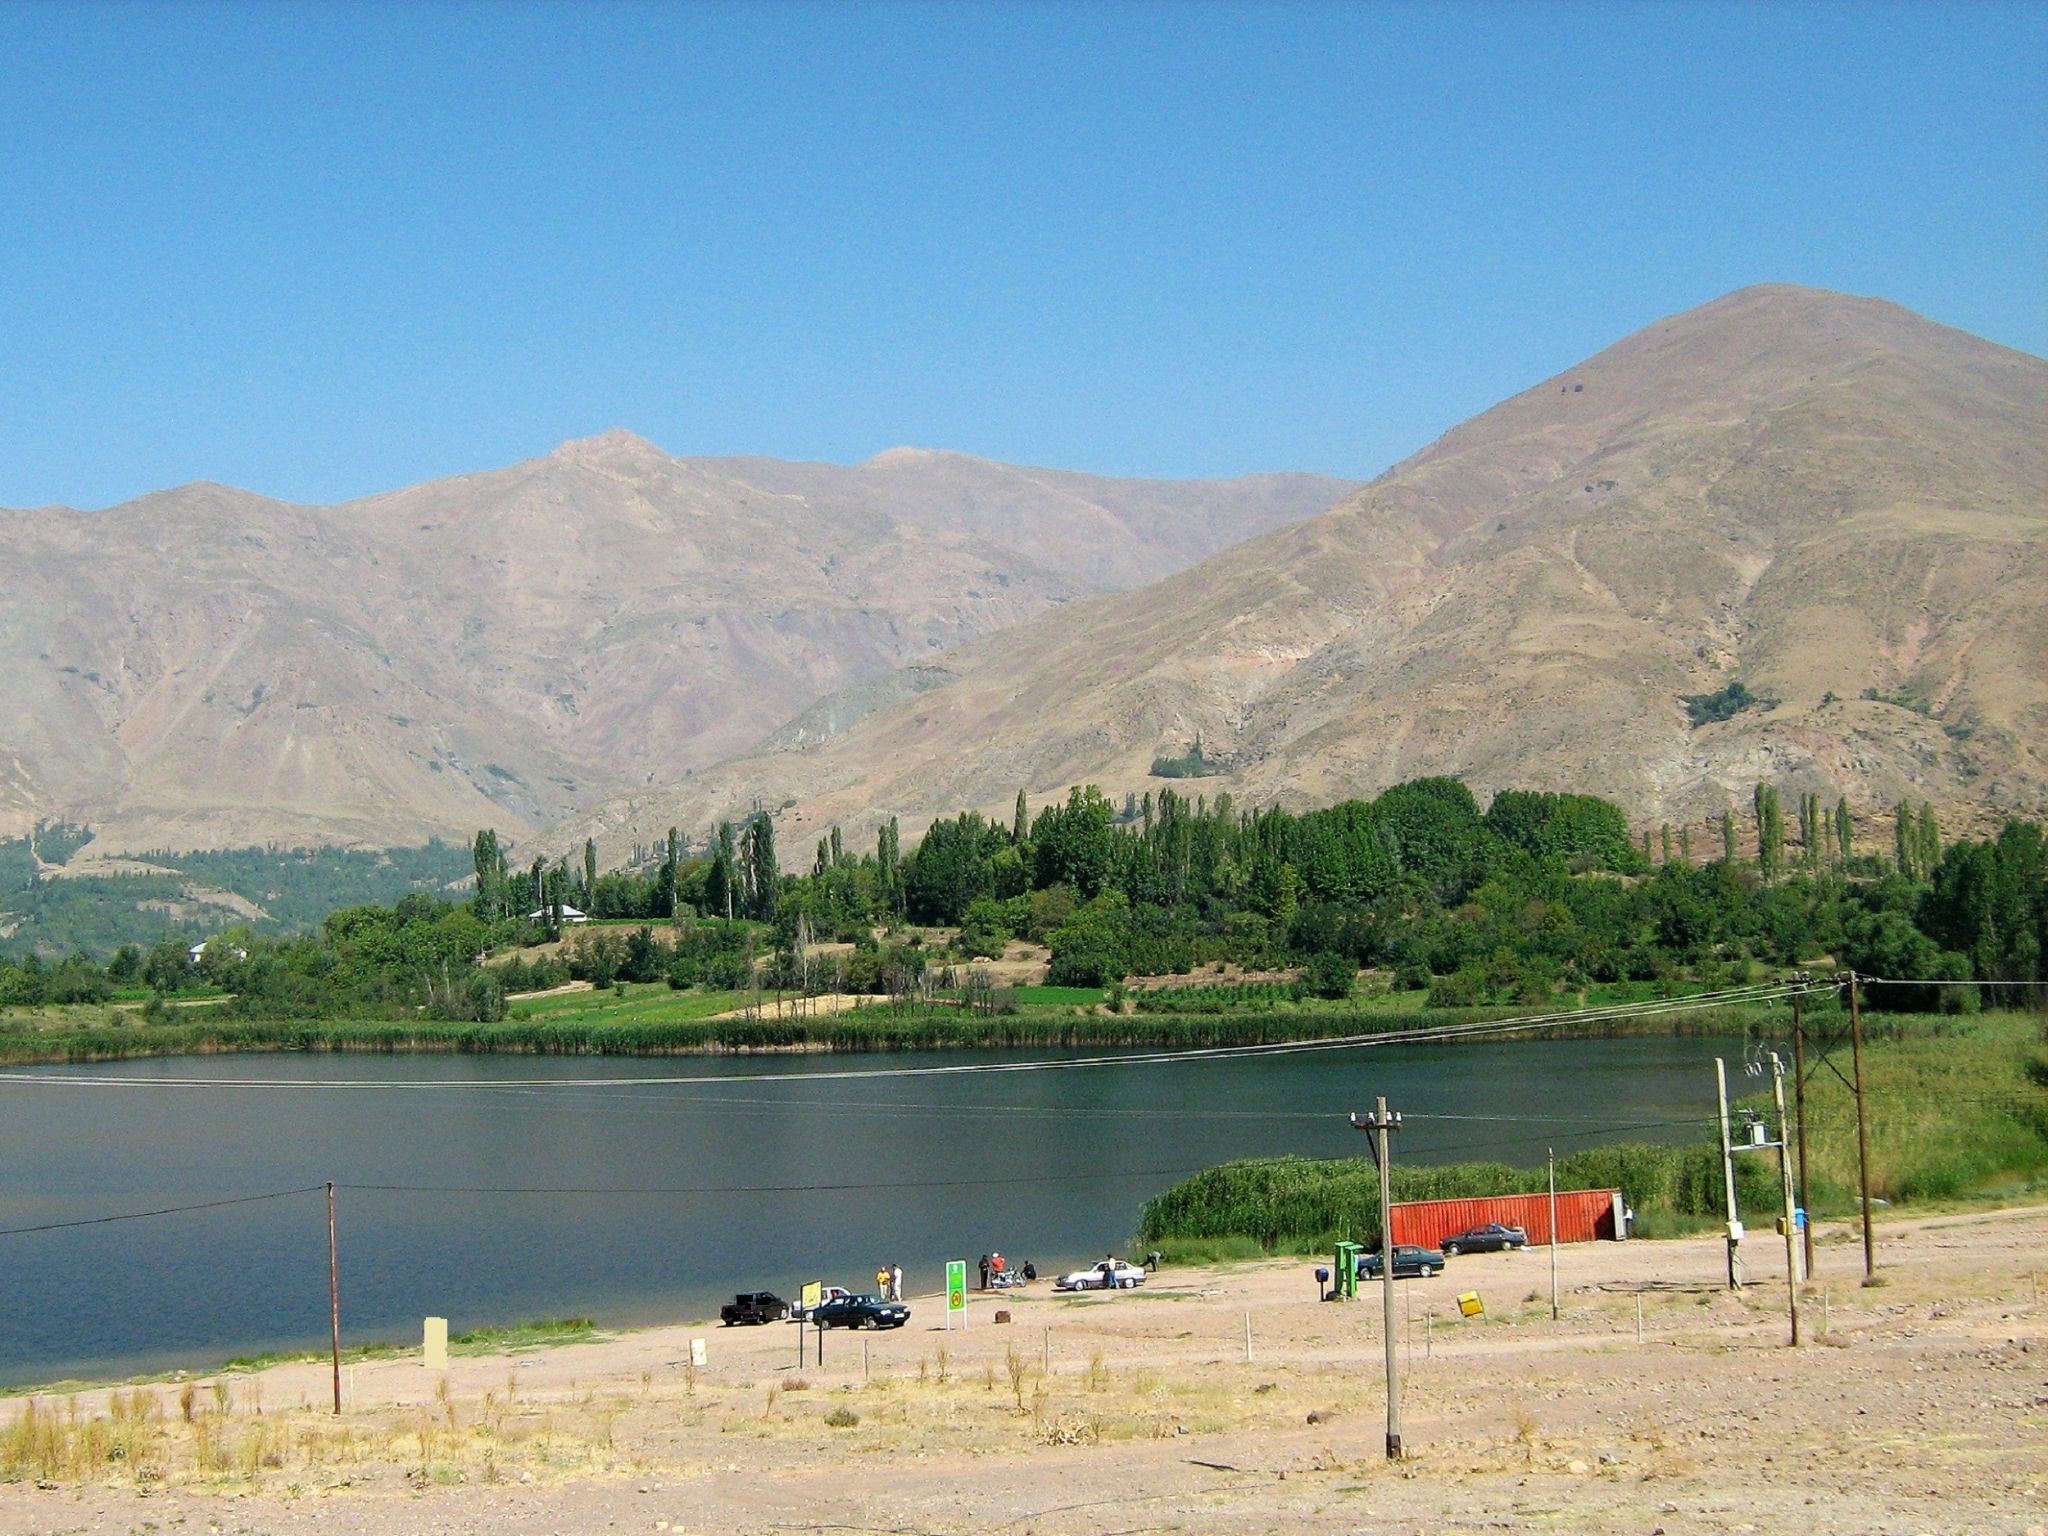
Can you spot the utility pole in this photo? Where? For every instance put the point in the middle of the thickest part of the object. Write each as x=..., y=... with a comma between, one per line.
x=1381, y=1124
x=1551, y=1153
x=1792, y=1275
x=1799, y=1103
x=1862, y=1131
x=334, y=1294
x=1728, y=1178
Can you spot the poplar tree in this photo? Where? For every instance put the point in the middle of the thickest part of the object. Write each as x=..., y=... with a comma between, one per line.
x=1928, y=842
x=764, y=875
x=589, y=875
x=1728, y=837
x=490, y=865
x=1902, y=839
x=1667, y=842
x=1685, y=844
x=1020, y=821
x=1844, y=830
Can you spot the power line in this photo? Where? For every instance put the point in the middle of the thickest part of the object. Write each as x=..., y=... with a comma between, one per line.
x=168, y=1210
x=1106, y=1176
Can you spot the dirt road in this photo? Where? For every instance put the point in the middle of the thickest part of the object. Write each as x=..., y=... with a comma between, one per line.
x=1922, y=1406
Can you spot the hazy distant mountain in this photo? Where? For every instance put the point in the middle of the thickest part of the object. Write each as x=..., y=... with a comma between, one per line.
x=204, y=666
x=1814, y=494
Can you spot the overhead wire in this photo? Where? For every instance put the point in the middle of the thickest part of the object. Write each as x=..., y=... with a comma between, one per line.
x=167, y=1210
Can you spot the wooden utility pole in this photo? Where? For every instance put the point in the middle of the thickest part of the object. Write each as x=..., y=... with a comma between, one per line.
x=1728, y=1179
x=1799, y=1103
x=1862, y=1130
x=1792, y=1276
x=1551, y=1155
x=334, y=1294
x=1381, y=1124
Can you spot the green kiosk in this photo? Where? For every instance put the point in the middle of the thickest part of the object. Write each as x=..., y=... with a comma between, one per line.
x=1346, y=1266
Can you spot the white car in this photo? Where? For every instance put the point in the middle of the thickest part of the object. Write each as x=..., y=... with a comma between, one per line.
x=800, y=1312
x=1108, y=1275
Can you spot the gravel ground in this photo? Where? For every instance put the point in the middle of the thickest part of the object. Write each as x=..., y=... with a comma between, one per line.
x=1917, y=1406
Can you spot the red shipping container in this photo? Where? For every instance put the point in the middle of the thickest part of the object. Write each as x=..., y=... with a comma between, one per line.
x=1582, y=1216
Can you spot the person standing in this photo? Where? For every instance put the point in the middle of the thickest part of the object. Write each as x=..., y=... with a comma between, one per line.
x=882, y=1282
x=895, y=1282
x=984, y=1271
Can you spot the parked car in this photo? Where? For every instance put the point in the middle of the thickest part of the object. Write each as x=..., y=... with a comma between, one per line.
x=1409, y=1262
x=802, y=1313
x=1490, y=1238
x=859, y=1312
x=1105, y=1275
x=753, y=1307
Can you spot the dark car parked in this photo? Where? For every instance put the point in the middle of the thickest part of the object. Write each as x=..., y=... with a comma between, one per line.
x=751, y=1307
x=859, y=1312
x=1490, y=1238
x=1409, y=1261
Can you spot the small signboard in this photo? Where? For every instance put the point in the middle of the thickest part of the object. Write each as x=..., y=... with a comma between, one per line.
x=436, y=1351
x=697, y=1354
x=812, y=1293
x=956, y=1291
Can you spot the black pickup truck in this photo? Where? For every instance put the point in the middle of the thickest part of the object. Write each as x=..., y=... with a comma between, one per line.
x=753, y=1307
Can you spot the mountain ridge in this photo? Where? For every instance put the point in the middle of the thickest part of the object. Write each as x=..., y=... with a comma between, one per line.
x=205, y=666
x=1828, y=496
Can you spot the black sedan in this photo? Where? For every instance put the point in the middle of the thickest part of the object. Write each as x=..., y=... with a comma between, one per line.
x=859, y=1312
x=1409, y=1262
x=1490, y=1238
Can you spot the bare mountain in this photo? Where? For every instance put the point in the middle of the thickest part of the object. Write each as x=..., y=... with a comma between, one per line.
x=204, y=666
x=1830, y=499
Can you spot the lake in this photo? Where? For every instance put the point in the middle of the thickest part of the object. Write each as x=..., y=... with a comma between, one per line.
x=625, y=1207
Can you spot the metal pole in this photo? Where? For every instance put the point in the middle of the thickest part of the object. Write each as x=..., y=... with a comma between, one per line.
x=1862, y=1131
x=1792, y=1276
x=1728, y=1177
x=1381, y=1126
x=334, y=1294
x=1799, y=1108
x=1551, y=1154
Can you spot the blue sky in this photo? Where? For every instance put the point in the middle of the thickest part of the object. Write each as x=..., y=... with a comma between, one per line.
x=324, y=250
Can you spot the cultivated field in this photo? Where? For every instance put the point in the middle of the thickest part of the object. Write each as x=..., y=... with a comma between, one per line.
x=1921, y=1405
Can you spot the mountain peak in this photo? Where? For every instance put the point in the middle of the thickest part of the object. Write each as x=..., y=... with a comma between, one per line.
x=614, y=447
x=890, y=457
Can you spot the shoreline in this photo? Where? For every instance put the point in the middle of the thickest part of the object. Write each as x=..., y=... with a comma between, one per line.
x=849, y=1032
x=1225, y=1393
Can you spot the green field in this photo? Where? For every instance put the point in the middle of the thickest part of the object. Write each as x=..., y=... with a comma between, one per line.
x=636, y=1001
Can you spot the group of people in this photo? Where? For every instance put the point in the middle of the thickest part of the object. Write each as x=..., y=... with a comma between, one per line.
x=996, y=1272
x=889, y=1282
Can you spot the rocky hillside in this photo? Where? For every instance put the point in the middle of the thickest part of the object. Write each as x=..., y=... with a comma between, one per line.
x=206, y=667
x=1830, y=500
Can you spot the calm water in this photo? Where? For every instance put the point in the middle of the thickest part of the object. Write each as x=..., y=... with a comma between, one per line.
x=1047, y=1165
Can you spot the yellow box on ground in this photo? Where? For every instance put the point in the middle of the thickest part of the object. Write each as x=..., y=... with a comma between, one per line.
x=1470, y=1305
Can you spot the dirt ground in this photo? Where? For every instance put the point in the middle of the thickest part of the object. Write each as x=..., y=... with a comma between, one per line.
x=1917, y=1406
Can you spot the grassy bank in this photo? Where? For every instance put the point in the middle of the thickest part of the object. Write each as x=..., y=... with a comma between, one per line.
x=592, y=1030
x=1957, y=1108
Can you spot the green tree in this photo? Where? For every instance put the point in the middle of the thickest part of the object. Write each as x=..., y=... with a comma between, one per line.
x=1728, y=837
x=1927, y=841
x=589, y=873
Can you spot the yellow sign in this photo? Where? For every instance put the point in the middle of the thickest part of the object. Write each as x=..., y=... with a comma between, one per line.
x=812, y=1293
x=435, y=1354
x=1470, y=1305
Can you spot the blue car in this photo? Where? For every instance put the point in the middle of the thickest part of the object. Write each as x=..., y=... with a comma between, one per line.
x=1410, y=1262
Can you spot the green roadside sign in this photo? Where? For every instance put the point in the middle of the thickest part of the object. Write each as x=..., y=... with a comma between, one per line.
x=956, y=1290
